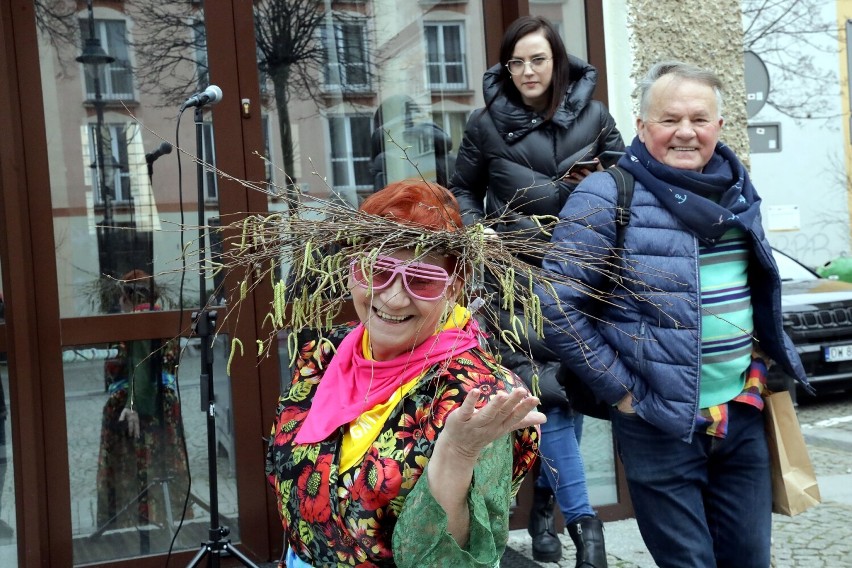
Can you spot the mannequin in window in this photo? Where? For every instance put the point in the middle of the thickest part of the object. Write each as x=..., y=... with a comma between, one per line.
x=142, y=440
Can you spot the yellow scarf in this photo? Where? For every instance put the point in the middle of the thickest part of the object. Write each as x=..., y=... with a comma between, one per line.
x=364, y=430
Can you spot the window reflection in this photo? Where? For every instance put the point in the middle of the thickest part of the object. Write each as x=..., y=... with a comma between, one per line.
x=395, y=91
x=116, y=78
x=128, y=491
x=8, y=535
x=110, y=202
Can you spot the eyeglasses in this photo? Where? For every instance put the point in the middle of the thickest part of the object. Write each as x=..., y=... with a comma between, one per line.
x=422, y=280
x=516, y=66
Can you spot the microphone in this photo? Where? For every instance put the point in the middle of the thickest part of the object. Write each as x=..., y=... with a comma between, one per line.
x=164, y=148
x=209, y=96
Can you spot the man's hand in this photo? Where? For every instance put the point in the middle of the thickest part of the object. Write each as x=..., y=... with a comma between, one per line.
x=625, y=405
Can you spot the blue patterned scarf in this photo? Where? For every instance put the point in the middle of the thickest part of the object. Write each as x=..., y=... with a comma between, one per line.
x=710, y=202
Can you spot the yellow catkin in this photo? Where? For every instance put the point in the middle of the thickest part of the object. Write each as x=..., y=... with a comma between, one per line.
x=235, y=342
x=243, y=290
x=516, y=321
x=292, y=347
x=242, y=246
x=535, y=389
x=307, y=260
x=278, y=303
x=510, y=338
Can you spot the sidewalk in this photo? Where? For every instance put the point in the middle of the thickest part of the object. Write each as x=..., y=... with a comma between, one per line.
x=624, y=548
x=817, y=538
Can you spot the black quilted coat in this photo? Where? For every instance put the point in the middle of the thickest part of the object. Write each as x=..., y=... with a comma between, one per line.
x=508, y=167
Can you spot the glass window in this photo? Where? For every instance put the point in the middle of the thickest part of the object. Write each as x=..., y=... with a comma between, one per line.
x=200, y=47
x=116, y=77
x=445, y=53
x=569, y=18
x=136, y=446
x=211, y=183
x=350, y=153
x=8, y=520
x=121, y=142
x=453, y=123
x=117, y=209
x=345, y=47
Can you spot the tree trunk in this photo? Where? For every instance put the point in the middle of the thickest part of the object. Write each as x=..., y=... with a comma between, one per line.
x=280, y=78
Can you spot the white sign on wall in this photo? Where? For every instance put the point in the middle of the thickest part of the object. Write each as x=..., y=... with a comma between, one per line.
x=783, y=218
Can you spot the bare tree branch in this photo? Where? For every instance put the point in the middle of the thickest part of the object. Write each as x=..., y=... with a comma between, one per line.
x=790, y=36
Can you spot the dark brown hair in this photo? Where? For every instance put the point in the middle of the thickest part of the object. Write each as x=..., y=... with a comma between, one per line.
x=561, y=79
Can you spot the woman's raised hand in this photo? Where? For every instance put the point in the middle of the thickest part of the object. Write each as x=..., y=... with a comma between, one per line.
x=468, y=430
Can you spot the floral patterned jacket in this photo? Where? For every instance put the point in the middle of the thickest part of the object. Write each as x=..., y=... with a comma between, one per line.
x=376, y=513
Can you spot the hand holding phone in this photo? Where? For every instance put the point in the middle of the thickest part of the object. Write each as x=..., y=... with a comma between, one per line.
x=577, y=167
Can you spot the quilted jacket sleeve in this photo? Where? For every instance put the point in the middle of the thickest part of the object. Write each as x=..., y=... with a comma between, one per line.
x=584, y=234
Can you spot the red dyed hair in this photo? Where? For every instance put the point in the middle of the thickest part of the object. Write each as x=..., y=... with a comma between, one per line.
x=416, y=202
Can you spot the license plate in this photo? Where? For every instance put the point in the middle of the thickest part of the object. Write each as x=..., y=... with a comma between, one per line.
x=838, y=353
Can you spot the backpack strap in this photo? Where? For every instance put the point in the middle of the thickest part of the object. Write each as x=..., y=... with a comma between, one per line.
x=624, y=184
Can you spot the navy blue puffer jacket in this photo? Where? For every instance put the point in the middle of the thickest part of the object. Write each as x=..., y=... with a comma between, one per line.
x=648, y=339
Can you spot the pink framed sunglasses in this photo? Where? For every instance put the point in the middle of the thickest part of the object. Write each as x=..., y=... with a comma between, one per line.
x=422, y=280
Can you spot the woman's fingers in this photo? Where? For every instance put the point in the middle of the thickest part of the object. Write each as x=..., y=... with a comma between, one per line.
x=504, y=411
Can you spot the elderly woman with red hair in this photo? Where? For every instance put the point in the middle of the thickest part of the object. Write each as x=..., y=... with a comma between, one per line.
x=402, y=444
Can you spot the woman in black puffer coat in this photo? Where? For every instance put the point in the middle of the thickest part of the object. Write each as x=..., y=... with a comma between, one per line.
x=539, y=119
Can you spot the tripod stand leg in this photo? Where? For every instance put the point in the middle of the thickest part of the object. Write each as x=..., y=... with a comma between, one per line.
x=205, y=550
x=244, y=560
x=213, y=550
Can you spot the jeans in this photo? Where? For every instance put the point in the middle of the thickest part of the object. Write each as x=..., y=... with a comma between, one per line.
x=562, y=465
x=703, y=504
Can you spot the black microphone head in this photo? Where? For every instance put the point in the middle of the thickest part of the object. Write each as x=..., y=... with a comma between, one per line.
x=165, y=148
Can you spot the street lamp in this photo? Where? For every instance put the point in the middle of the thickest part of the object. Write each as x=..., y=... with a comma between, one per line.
x=94, y=58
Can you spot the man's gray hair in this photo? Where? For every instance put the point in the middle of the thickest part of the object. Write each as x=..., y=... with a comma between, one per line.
x=683, y=71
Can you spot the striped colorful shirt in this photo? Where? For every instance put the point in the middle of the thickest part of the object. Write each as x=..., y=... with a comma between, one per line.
x=713, y=421
x=727, y=322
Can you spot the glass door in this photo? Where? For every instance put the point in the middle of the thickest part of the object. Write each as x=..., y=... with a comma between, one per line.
x=129, y=217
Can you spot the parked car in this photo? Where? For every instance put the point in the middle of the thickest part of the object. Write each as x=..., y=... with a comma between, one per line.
x=818, y=317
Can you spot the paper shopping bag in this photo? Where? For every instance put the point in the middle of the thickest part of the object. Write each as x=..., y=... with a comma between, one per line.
x=794, y=484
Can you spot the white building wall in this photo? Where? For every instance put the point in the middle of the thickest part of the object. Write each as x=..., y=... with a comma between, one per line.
x=804, y=186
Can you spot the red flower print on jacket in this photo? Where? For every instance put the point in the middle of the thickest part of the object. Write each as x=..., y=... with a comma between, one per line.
x=289, y=418
x=313, y=490
x=415, y=426
x=377, y=482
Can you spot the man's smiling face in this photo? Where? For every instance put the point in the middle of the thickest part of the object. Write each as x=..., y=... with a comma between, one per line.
x=681, y=125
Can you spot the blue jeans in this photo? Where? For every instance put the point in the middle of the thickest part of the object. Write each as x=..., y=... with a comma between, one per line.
x=706, y=504
x=562, y=465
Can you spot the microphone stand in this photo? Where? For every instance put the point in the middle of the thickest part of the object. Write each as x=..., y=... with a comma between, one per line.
x=204, y=322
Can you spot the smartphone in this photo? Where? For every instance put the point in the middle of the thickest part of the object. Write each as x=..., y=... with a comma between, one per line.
x=609, y=158
x=591, y=165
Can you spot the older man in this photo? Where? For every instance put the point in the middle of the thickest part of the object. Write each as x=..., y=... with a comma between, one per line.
x=677, y=349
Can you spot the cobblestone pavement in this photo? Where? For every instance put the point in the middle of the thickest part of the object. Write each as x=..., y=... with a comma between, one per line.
x=818, y=538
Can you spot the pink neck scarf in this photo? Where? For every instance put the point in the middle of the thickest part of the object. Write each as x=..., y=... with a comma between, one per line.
x=353, y=384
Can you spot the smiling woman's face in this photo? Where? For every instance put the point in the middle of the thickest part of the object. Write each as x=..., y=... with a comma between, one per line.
x=396, y=320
